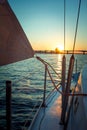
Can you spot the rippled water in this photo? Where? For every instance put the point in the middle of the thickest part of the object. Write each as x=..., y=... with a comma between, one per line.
x=27, y=86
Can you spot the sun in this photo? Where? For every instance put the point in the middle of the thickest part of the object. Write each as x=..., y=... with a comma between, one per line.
x=60, y=47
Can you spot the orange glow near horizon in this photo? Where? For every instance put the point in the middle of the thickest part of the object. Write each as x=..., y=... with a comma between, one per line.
x=59, y=47
x=53, y=44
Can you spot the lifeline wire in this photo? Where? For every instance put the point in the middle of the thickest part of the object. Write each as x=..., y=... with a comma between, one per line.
x=45, y=62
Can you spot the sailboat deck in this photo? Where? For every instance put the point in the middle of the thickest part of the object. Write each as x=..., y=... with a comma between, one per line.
x=49, y=117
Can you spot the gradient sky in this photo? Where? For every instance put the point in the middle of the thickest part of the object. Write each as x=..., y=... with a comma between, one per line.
x=43, y=22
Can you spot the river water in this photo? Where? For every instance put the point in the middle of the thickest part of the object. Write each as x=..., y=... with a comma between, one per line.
x=27, y=86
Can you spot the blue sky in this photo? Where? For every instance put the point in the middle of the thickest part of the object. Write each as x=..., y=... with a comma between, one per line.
x=43, y=22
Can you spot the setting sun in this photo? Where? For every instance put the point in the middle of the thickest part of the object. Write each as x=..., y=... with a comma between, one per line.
x=60, y=47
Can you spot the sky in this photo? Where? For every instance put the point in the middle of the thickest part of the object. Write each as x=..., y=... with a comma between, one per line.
x=43, y=23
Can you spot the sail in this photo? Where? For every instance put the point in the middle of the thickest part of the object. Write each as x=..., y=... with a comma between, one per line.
x=14, y=45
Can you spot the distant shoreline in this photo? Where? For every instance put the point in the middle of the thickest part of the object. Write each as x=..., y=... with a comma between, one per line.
x=62, y=52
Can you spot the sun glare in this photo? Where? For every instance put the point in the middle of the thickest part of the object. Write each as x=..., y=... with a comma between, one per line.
x=60, y=47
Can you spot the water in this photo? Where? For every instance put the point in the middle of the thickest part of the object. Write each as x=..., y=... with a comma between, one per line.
x=27, y=86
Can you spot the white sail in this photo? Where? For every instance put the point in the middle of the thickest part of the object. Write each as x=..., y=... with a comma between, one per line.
x=14, y=45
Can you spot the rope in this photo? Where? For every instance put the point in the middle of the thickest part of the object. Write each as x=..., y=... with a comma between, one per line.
x=63, y=93
x=54, y=82
x=64, y=22
x=55, y=86
x=44, y=62
x=77, y=25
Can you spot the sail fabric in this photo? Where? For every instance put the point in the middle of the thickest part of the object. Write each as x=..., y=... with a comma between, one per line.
x=14, y=45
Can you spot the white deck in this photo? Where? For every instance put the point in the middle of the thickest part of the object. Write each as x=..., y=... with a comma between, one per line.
x=49, y=117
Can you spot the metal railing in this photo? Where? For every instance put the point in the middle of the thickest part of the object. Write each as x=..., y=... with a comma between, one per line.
x=56, y=86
